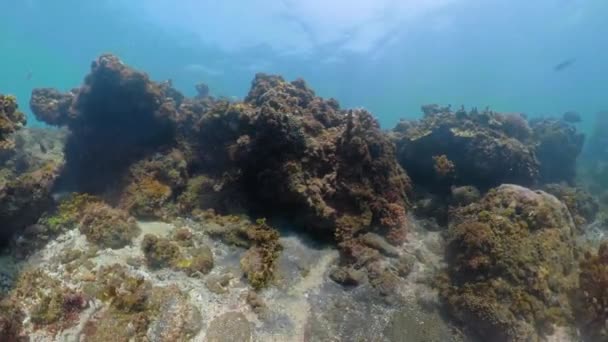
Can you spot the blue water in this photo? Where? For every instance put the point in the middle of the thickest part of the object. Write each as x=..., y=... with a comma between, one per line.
x=387, y=56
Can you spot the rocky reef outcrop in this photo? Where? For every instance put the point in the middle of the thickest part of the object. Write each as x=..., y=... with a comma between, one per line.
x=485, y=149
x=558, y=145
x=115, y=118
x=479, y=148
x=11, y=120
x=29, y=166
x=294, y=154
x=282, y=152
x=511, y=265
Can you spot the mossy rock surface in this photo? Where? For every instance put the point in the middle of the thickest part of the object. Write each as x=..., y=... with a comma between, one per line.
x=511, y=260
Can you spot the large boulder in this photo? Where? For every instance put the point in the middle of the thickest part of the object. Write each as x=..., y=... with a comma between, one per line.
x=510, y=265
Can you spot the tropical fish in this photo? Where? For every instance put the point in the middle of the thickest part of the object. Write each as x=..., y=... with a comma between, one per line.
x=565, y=64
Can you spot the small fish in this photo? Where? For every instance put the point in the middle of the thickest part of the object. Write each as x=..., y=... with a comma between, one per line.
x=42, y=147
x=29, y=75
x=572, y=117
x=565, y=64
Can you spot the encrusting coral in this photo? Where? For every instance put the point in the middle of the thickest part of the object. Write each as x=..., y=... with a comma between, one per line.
x=510, y=265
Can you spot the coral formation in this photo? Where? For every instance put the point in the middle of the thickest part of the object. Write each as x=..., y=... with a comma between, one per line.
x=510, y=264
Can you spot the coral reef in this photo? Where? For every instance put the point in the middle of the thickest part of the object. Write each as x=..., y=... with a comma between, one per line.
x=485, y=148
x=591, y=298
x=510, y=264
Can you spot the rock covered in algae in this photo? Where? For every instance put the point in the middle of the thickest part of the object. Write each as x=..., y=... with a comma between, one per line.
x=107, y=227
x=46, y=302
x=510, y=264
x=479, y=148
x=152, y=183
x=27, y=177
x=582, y=206
x=163, y=252
x=296, y=155
x=282, y=152
x=594, y=162
x=11, y=120
x=591, y=298
x=114, y=118
x=558, y=145
x=140, y=311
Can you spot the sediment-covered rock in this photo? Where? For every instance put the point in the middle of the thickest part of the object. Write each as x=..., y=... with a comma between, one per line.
x=511, y=265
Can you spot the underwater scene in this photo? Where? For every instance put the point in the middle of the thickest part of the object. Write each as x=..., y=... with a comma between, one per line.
x=265, y=170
